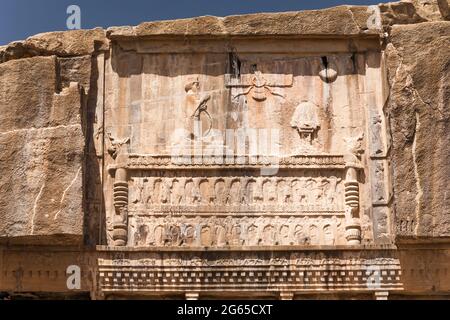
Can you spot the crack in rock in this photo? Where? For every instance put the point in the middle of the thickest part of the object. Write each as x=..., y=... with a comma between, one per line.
x=35, y=207
x=65, y=192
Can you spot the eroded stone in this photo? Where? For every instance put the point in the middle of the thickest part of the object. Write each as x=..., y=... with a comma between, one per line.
x=42, y=154
x=419, y=77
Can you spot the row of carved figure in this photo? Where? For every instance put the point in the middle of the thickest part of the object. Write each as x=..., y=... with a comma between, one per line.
x=219, y=232
x=323, y=192
x=246, y=258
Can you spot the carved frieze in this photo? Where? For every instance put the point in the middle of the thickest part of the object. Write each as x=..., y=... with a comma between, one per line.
x=230, y=231
x=223, y=194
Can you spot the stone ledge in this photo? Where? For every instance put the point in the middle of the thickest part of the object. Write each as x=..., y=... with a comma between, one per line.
x=60, y=43
x=62, y=242
x=297, y=272
x=25, y=269
x=341, y=21
x=337, y=21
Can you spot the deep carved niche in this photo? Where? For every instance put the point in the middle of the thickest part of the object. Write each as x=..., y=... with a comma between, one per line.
x=272, y=154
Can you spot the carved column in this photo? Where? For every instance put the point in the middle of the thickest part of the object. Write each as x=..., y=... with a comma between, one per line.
x=353, y=224
x=118, y=152
x=120, y=222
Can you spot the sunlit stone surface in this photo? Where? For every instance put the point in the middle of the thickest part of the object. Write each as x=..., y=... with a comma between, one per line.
x=285, y=155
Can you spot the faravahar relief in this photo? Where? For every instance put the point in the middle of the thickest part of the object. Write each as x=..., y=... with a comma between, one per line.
x=259, y=88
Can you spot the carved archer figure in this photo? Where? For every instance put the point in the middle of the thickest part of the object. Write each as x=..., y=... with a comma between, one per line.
x=201, y=107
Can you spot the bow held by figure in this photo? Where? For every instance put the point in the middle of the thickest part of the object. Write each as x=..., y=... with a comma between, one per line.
x=203, y=106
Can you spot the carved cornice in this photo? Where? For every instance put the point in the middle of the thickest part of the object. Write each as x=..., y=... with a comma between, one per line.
x=167, y=162
x=250, y=271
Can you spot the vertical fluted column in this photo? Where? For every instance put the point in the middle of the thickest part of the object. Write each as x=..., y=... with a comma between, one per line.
x=120, y=222
x=353, y=224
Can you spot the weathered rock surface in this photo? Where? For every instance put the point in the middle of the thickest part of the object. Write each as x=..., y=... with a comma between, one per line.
x=62, y=44
x=444, y=8
x=399, y=13
x=328, y=22
x=418, y=59
x=41, y=151
x=308, y=23
x=414, y=11
x=431, y=10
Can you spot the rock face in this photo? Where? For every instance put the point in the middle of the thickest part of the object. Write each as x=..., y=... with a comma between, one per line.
x=45, y=101
x=42, y=148
x=419, y=71
x=256, y=143
x=432, y=10
x=61, y=44
x=318, y=22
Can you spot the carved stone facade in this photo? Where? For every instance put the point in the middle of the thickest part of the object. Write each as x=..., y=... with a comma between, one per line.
x=211, y=185
x=224, y=161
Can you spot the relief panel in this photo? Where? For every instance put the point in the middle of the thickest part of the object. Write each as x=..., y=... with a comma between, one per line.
x=237, y=149
x=235, y=194
x=231, y=231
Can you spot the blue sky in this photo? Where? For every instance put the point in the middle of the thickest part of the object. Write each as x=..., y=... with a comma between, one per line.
x=20, y=19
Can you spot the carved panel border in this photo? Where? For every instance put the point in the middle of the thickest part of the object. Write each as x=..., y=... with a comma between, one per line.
x=141, y=162
x=248, y=272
